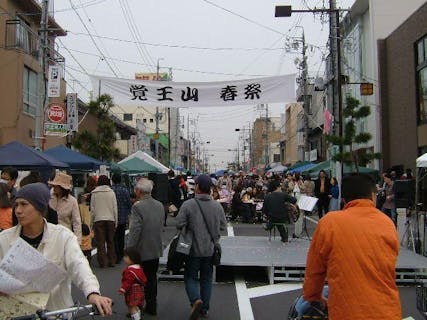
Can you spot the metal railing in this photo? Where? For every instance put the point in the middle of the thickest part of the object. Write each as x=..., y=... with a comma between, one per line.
x=19, y=36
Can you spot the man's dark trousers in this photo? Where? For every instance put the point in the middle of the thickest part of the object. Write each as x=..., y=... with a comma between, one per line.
x=150, y=269
x=119, y=241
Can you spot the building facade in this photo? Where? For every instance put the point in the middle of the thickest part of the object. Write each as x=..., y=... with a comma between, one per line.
x=293, y=139
x=366, y=23
x=20, y=72
x=403, y=74
x=265, y=134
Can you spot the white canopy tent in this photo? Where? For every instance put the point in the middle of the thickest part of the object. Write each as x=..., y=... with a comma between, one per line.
x=147, y=158
x=421, y=174
x=422, y=161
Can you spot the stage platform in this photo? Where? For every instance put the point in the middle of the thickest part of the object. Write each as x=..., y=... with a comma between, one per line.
x=287, y=262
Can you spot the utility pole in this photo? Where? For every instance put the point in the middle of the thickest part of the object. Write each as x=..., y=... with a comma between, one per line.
x=306, y=101
x=266, y=138
x=189, y=146
x=157, y=116
x=43, y=44
x=335, y=45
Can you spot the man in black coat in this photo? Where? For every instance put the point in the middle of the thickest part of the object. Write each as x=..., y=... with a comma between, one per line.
x=322, y=188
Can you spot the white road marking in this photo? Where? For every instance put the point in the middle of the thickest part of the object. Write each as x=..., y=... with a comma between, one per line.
x=272, y=289
x=230, y=230
x=243, y=301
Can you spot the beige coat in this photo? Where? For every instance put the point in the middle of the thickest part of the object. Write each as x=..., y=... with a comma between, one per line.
x=68, y=213
x=60, y=246
x=103, y=204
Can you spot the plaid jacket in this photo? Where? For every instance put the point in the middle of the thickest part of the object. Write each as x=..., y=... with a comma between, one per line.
x=123, y=203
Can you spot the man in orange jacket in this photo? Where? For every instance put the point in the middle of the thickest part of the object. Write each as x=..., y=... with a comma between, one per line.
x=356, y=250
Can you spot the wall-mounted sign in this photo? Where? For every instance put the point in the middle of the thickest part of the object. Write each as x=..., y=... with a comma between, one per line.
x=72, y=112
x=56, y=113
x=53, y=82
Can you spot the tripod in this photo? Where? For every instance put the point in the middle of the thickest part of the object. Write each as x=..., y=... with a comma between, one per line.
x=304, y=234
x=408, y=235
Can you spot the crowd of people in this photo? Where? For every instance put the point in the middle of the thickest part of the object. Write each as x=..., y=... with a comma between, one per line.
x=56, y=224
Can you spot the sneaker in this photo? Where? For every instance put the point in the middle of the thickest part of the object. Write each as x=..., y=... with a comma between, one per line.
x=195, y=310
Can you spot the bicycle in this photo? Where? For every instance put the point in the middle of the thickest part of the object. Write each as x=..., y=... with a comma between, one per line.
x=75, y=312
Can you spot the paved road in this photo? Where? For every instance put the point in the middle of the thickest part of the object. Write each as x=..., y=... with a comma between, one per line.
x=240, y=293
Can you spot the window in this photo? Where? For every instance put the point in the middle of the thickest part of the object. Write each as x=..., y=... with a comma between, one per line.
x=127, y=117
x=144, y=120
x=421, y=50
x=151, y=120
x=29, y=91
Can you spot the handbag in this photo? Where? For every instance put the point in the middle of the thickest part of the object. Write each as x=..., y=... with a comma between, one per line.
x=179, y=250
x=216, y=256
x=172, y=209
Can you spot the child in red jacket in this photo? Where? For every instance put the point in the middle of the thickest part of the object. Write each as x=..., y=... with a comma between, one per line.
x=133, y=283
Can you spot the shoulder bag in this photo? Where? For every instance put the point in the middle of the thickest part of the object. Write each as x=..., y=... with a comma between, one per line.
x=179, y=250
x=216, y=256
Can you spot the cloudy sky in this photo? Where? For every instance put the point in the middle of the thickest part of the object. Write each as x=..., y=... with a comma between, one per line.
x=199, y=40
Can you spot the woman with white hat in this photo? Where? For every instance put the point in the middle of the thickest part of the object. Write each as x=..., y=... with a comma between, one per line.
x=65, y=204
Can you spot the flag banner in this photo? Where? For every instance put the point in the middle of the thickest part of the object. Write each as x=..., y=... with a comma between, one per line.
x=127, y=92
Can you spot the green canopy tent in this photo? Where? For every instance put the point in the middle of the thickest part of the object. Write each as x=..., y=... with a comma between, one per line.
x=326, y=166
x=298, y=164
x=115, y=167
x=136, y=165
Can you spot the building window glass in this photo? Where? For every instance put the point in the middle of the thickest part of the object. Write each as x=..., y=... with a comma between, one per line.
x=422, y=94
x=29, y=91
x=127, y=117
x=422, y=78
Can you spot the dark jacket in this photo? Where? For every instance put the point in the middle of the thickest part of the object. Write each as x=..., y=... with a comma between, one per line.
x=190, y=216
x=275, y=205
x=317, y=187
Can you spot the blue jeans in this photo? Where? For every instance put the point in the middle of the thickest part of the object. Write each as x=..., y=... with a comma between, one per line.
x=199, y=289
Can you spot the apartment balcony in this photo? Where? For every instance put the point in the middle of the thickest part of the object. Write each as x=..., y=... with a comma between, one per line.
x=19, y=36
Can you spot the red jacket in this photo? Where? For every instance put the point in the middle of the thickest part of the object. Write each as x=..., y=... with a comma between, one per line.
x=356, y=250
x=133, y=274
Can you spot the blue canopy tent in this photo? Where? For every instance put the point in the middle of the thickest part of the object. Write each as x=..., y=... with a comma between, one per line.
x=22, y=157
x=76, y=160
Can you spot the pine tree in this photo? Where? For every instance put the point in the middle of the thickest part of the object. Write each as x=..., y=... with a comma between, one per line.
x=101, y=144
x=352, y=113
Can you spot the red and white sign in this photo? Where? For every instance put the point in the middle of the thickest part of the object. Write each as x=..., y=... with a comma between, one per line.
x=56, y=113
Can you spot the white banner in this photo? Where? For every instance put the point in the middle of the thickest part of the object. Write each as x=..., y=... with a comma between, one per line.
x=128, y=92
x=72, y=112
x=53, y=82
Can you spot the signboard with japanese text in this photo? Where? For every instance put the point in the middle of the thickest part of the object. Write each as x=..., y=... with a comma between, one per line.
x=55, y=112
x=197, y=94
x=132, y=144
x=162, y=76
x=313, y=155
x=53, y=82
x=72, y=112
x=55, y=129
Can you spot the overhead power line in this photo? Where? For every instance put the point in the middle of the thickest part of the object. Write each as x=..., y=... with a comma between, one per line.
x=174, y=68
x=180, y=46
x=92, y=38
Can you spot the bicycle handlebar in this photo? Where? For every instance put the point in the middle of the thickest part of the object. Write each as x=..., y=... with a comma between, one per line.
x=44, y=314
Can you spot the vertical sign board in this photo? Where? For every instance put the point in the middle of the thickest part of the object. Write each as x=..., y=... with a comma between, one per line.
x=313, y=155
x=53, y=82
x=55, y=124
x=133, y=144
x=72, y=112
